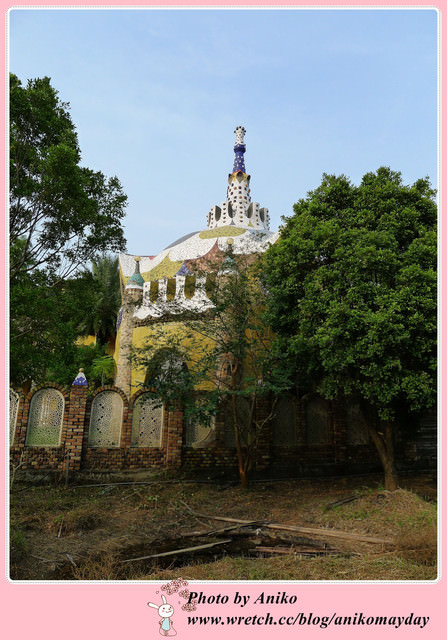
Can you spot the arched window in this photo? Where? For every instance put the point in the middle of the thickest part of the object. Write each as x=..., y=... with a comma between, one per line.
x=147, y=422
x=13, y=409
x=105, y=420
x=284, y=428
x=45, y=418
x=317, y=422
x=199, y=435
x=357, y=427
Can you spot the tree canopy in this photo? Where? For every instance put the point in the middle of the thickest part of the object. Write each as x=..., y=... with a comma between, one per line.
x=104, y=280
x=62, y=217
x=65, y=214
x=352, y=295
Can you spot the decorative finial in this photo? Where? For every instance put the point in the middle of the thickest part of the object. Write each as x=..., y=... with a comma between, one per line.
x=240, y=133
x=239, y=150
x=136, y=280
x=80, y=380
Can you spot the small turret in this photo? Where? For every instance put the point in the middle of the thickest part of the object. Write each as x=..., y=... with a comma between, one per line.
x=136, y=280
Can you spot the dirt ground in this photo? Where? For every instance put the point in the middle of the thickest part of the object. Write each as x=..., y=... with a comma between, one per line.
x=97, y=529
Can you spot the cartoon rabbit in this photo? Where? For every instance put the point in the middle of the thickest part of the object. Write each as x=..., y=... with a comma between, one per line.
x=165, y=610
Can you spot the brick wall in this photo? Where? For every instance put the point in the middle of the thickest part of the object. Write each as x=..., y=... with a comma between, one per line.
x=38, y=457
x=74, y=452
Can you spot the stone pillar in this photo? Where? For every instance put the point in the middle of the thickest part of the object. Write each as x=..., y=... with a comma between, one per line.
x=124, y=367
x=174, y=438
x=75, y=421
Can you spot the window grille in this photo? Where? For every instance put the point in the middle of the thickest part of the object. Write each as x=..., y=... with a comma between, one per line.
x=147, y=422
x=284, y=428
x=45, y=418
x=197, y=434
x=356, y=426
x=317, y=422
x=105, y=420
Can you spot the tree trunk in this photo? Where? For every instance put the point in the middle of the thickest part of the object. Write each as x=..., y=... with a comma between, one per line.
x=383, y=439
x=240, y=456
x=243, y=476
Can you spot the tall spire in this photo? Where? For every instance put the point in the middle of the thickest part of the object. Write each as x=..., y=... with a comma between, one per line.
x=239, y=150
x=238, y=210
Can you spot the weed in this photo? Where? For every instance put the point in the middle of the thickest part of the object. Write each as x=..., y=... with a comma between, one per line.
x=149, y=502
x=103, y=567
x=17, y=543
x=83, y=519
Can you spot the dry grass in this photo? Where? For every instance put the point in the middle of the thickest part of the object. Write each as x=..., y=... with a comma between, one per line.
x=382, y=566
x=96, y=526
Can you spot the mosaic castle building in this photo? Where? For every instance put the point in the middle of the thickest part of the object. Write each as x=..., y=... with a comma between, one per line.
x=121, y=427
x=162, y=287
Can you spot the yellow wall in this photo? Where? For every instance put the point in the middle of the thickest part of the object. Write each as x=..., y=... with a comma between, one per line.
x=160, y=336
x=86, y=341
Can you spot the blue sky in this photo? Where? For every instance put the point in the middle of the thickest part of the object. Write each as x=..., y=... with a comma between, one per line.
x=156, y=95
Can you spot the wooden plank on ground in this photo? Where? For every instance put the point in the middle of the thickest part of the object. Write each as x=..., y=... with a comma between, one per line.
x=178, y=551
x=326, y=533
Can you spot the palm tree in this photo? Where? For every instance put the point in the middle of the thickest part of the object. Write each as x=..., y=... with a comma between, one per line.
x=104, y=281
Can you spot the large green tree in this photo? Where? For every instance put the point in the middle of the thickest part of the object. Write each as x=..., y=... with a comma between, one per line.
x=62, y=216
x=65, y=213
x=352, y=298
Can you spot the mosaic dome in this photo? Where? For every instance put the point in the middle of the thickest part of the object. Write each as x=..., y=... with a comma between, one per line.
x=237, y=220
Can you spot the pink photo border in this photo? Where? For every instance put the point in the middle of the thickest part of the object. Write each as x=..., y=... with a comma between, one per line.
x=46, y=611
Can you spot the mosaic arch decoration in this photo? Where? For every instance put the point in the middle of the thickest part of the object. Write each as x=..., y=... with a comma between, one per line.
x=13, y=410
x=106, y=419
x=147, y=422
x=45, y=418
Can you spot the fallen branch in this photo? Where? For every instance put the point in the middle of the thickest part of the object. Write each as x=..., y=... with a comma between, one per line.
x=60, y=528
x=213, y=532
x=42, y=559
x=347, y=500
x=16, y=468
x=71, y=560
x=331, y=533
x=177, y=551
x=142, y=482
x=298, y=552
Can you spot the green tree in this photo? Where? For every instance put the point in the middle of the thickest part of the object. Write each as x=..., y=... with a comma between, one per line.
x=62, y=216
x=103, y=369
x=352, y=298
x=224, y=352
x=104, y=282
x=65, y=214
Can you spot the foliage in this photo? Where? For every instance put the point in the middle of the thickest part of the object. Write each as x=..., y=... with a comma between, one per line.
x=62, y=215
x=43, y=321
x=103, y=369
x=64, y=370
x=352, y=295
x=66, y=214
x=225, y=353
x=104, y=282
